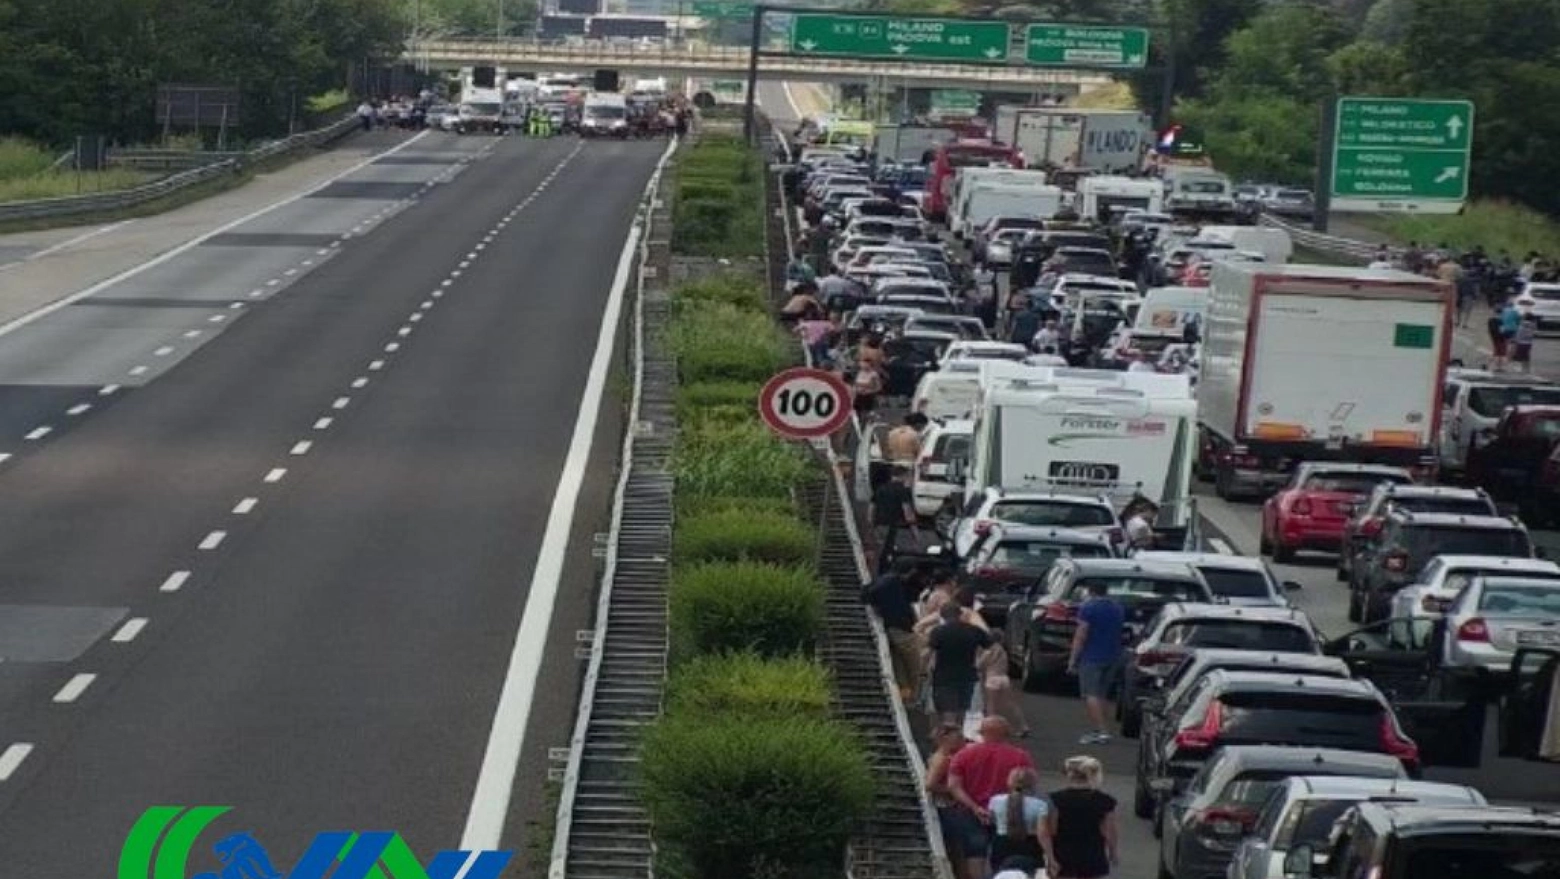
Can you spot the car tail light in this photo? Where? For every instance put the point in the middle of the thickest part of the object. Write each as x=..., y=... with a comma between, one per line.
x=1371, y=527
x=1475, y=631
x=1224, y=821
x=1301, y=507
x=983, y=527
x=1395, y=743
x=1151, y=658
x=1203, y=735
x=1056, y=613
x=1397, y=562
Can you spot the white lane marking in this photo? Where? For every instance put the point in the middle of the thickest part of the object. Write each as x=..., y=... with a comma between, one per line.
x=307, y=262
x=108, y=390
x=258, y=291
x=359, y=382
x=78, y=409
x=376, y=365
x=274, y=282
x=190, y=334
x=217, y=318
x=427, y=304
x=235, y=305
x=175, y=581
x=480, y=247
x=438, y=294
x=393, y=347
x=323, y=423
x=11, y=760
x=290, y=272
x=69, y=242
x=301, y=448
x=74, y=688
x=1221, y=546
x=465, y=263
x=276, y=474
x=415, y=317
x=506, y=738
x=129, y=630
x=39, y=433
x=341, y=403
x=4, y=457
x=198, y=240
x=404, y=331
x=213, y=540
x=446, y=282
x=323, y=251
x=137, y=370
x=245, y=506
x=164, y=351
x=456, y=273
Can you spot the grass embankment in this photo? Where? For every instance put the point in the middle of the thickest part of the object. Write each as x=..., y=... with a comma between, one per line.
x=26, y=173
x=1493, y=225
x=746, y=774
x=718, y=207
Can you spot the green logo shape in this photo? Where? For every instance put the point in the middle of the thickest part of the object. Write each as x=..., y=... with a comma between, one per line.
x=178, y=833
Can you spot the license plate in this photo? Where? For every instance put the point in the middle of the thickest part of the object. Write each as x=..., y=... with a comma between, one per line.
x=1539, y=639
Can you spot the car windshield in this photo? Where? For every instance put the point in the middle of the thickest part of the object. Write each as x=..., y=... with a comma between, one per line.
x=1455, y=581
x=1539, y=426
x=1234, y=583
x=1491, y=401
x=1036, y=556
x=1350, y=483
x=484, y=109
x=1203, y=186
x=1427, y=540
x=1053, y=513
x=1143, y=587
x=1286, y=716
x=1316, y=820
x=1240, y=635
x=1521, y=601
x=606, y=111
x=1487, y=855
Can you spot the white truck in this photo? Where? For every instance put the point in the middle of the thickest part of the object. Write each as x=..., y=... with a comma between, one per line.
x=966, y=180
x=1003, y=199
x=1120, y=434
x=1097, y=196
x=1306, y=362
x=1108, y=141
x=481, y=100
x=907, y=144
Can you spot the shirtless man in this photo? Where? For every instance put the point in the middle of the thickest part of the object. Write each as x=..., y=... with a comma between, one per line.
x=903, y=443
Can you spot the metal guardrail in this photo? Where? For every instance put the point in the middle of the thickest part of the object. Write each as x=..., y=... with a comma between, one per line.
x=1332, y=245
x=697, y=58
x=602, y=829
x=169, y=160
x=122, y=199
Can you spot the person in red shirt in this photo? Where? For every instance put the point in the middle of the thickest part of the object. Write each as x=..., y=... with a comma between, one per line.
x=976, y=774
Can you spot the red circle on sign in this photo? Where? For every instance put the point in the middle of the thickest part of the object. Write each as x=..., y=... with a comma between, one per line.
x=803, y=379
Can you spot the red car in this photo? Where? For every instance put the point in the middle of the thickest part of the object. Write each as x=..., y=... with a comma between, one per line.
x=1312, y=510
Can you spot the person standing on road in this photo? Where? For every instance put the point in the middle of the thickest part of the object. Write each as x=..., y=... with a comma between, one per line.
x=889, y=595
x=893, y=512
x=1081, y=826
x=977, y=773
x=903, y=443
x=365, y=114
x=1096, y=657
x=954, y=645
x=1467, y=294
x=1522, y=344
x=1001, y=700
x=955, y=822
x=1139, y=524
x=1018, y=820
x=1510, y=322
x=1048, y=336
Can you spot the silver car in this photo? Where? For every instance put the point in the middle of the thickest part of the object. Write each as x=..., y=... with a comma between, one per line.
x=1303, y=809
x=1494, y=617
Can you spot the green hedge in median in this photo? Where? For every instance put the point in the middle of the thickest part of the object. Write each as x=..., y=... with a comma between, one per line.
x=694, y=400
x=729, y=289
x=724, y=343
x=748, y=685
x=718, y=207
x=738, y=535
x=734, y=796
x=696, y=504
x=734, y=607
x=736, y=459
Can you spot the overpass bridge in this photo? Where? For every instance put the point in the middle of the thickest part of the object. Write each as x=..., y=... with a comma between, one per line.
x=731, y=62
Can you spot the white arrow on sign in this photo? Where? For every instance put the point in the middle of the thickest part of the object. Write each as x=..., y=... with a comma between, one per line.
x=1454, y=125
x=1447, y=173
x=993, y=52
x=901, y=49
x=807, y=45
x=1134, y=59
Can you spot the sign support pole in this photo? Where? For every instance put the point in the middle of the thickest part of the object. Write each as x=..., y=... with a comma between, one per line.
x=1326, y=149
x=749, y=119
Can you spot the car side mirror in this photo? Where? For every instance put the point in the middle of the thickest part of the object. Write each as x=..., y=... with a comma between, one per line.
x=1299, y=862
x=1293, y=586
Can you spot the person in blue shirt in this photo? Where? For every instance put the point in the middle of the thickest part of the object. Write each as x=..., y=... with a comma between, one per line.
x=1510, y=322
x=1096, y=657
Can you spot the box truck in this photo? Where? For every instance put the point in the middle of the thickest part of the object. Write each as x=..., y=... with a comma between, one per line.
x=1099, y=196
x=1306, y=362
x=1108, y=141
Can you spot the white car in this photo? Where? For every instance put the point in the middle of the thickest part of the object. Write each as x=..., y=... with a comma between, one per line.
x=1445, y=576
x=1235, y=580
x=932, y=483
x=1542, y=301
x=1071, y=286
x=999, y=247
x=976, y=350
x=1493, y=617
x=1472, y=401
x=948, y=392
x=1030, y=507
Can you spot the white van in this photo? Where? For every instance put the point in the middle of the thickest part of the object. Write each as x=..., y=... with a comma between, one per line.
x=1003, y=199
x=604, y=114
x=966, y=179
x=948, y=392
x=1098, y=195
x=1166, y=312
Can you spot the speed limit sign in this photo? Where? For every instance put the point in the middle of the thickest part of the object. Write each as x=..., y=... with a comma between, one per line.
x=804, y=403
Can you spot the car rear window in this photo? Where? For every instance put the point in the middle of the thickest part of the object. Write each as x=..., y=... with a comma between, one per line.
x=1427, y=540
x=1491, y=401
x=1488, y=855
x=1231, y=583
x=1130, y=587
x=1053, y=513
x=1251, y=788
x=1350, y=483
x=1036, y=557
x=1240, y=635
x=1521, y=601
x=950, y=446
x=1451, y=506
x=1290, y=717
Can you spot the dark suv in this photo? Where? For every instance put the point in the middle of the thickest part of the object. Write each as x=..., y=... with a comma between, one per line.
x=1258, y=708
x=1369, y=516
x=1446, y=842
x=1393, y=558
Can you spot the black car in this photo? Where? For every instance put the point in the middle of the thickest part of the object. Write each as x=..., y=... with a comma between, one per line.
x=1008, y=558
x=1445, y=842
x=1392, y=558
x=1369, y=515
x=1258, y=708
x=1040, y=626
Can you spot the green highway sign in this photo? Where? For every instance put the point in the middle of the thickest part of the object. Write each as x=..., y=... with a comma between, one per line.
x=722, y=9
x=955, y=99
x=919, y=39
x=1401, y=154
x=1061, y=45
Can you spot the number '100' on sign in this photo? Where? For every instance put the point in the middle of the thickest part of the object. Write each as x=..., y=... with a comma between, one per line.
x=804, y=403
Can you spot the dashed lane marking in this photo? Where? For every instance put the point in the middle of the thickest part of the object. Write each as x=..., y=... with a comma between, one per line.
x=74, y=688
x=175, y=581
x=78, y=409
x=108, y=390
x=276, y=474
x=245, y=506
x=129, y=630
x=301, y=448
x=323, y=423
x=213, y=540
x=359, y=382
x=39, y=433
x=11, y=760
x=164, y=351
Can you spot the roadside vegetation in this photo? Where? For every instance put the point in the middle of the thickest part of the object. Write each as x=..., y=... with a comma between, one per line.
x=718, y=207
x=1494, y=225
x=26, y=172
x=746, y=773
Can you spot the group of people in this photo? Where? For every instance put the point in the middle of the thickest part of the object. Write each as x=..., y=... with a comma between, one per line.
x=399, y=111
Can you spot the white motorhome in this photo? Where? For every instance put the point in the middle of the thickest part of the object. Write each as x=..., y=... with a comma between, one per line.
x=1005, y=199
x=966, y=179
x=1120, y=434
x=1098, y=195
x=1275, y=245
x=1167, y=311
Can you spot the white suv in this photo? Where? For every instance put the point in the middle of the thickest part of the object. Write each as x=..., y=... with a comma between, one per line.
x=1471, y=405
x=944, y=441
x=1031, y=507
x=1445, y=576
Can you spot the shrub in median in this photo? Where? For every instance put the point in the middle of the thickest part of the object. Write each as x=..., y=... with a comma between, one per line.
x=724, y=343
x=696, y=505
x=693, y=400
x=718, y=208
x=738, y=535
x=741, y=459
x=747, y=685
x=733, y=796
x=731, y=607
x=735, y=290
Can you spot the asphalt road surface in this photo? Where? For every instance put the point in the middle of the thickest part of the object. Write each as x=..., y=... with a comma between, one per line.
x=269, y=508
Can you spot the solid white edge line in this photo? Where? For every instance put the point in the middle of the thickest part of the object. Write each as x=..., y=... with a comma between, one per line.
x=197, y=241
x=69, y=242
x=12, y=759
x=506, y=739
x=74, y=688
x=175, y=581
x=129, y=630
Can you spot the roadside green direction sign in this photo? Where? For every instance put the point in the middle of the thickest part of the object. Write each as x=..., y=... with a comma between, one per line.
x=955, y=99
x=921, y=39
x=722, y=9
x=1058, y=45
x=1401, y=154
